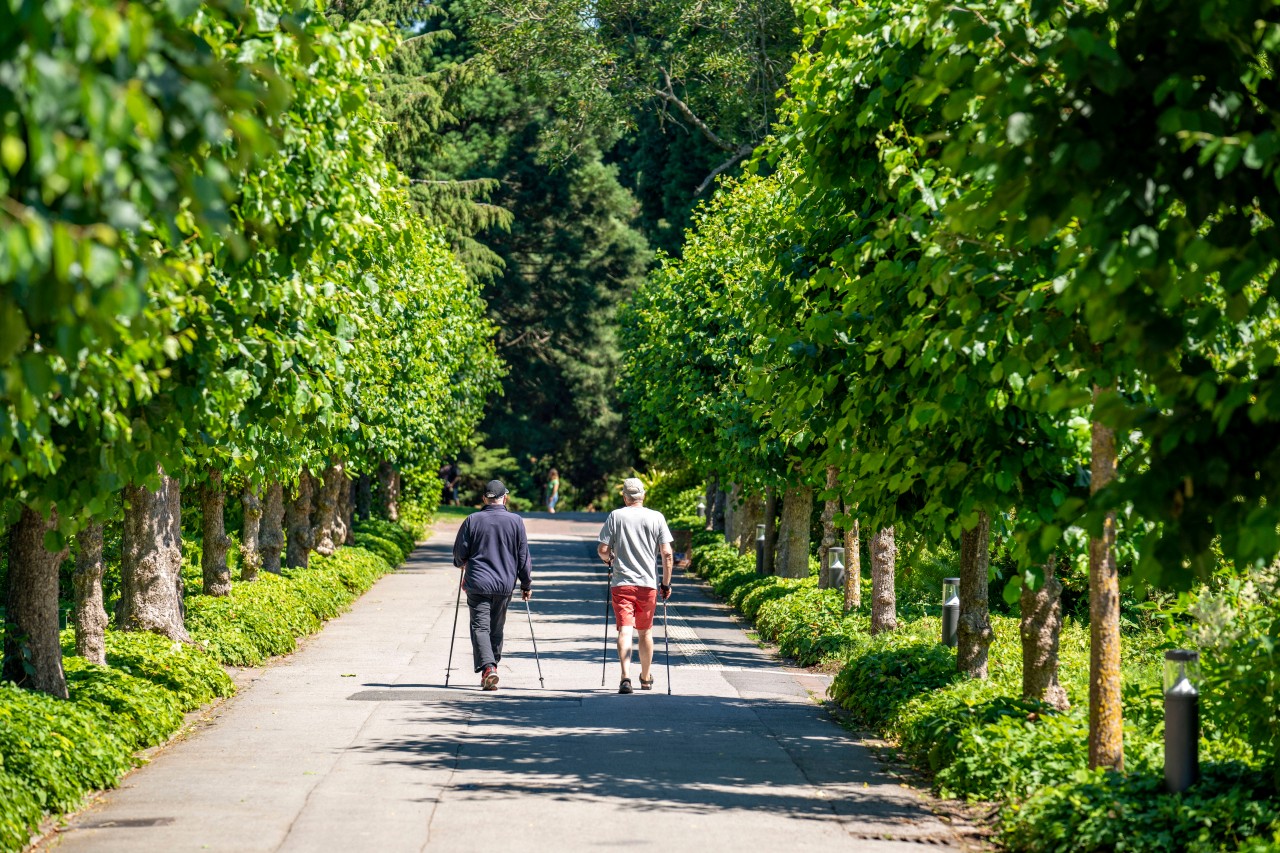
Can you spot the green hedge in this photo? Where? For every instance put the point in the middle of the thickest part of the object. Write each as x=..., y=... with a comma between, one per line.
x=390, y=532
x=54, y=752
x=981, y=741
x=262, y=619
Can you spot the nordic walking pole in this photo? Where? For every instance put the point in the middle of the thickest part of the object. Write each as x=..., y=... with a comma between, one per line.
x=604, y=655
x=529, y=613
x=666, y=635
x=456, y=604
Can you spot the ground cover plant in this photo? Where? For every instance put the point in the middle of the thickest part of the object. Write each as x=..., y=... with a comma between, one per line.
x=980, y=740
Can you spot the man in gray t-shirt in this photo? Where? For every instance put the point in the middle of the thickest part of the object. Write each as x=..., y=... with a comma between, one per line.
x=632, y=542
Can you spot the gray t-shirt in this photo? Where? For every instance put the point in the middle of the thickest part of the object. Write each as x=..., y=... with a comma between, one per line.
x=635, y=535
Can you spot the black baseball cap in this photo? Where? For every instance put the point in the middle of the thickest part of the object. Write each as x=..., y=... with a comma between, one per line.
x=494, y=489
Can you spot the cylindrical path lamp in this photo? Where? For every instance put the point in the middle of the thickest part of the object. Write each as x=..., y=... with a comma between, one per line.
x=950, y=611
x=1181, y=719
x=835, y=566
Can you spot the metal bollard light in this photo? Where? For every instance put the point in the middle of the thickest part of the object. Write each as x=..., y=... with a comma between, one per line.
x=835, y=566
x=759, y=549
x=702, y=509
x=950, y=611
x=1181, y=719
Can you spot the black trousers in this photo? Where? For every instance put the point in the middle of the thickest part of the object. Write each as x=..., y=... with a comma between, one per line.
x=488, y=618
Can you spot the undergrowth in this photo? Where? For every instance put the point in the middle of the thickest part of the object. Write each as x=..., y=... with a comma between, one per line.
x=979, y=740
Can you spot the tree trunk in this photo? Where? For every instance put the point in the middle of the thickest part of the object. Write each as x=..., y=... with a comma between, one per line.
x=793, y=538
x=752, y=513
x=973, y=634
x=213, y=553
x=151, y=561
x=770, y=530
x=389, y=491
x=718, y=509
x=90, y=615
x=826, y=578
x=1106, y=720
x=347, y=511
x=297, y=520
x=710, y=500
x=1040, y=628
x=884, y=600
x=364, y=497
x=271, y=537
x=733, y=514
x=329, y=531
x=32, y=653
x=853, y=563
x=250, y=550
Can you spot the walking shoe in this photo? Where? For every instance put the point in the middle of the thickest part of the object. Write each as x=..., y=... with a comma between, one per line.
x=489, y=678
x=625, y=686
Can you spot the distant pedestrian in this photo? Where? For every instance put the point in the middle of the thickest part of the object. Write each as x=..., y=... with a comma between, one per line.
x=492, y=549
x=449, y=475
x=553, y=490
x=632, y=542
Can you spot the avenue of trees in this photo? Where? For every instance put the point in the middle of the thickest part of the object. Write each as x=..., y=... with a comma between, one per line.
x=214, y=287
x=1004, y=270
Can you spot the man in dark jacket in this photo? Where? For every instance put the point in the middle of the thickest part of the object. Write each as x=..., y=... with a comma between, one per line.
x=492, y=549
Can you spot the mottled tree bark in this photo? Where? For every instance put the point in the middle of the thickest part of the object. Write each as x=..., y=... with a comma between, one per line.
x=32, y=654
x=297, y=521
x=151, y=561
x=853, y=563
x=710, y=500
x=250, y=549
x=1040, y=629
x=1106, y=716
x=347, y=511
x=751, y=514
x=884, y=599
x=213, y=553
x=271, y=535
x=732, y=514
x=364, y=497
x=770, y=530
x=973, y=635
x=90, y=614
x=793, y=537
x=830, y=506
x=389, y=491
x=329, y=531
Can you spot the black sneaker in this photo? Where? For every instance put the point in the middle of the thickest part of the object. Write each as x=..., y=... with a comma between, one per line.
x=625, y=686
x=489, y=678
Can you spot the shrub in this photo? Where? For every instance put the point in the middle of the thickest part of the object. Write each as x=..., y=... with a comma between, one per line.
x=191, y=676
x=1228, y=809
x=20, y=809
x=61, y=750
x=415, y=517
x=673, y=493
x=384, y=548
x=262, y=619
x=395, y=533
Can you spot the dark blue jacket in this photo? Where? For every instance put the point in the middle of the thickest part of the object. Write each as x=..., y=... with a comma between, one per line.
x=493, y=545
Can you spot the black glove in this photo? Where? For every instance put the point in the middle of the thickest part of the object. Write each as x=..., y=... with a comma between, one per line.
x=665, y=589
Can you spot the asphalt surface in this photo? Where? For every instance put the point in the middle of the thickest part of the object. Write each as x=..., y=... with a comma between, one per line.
x=353, y=743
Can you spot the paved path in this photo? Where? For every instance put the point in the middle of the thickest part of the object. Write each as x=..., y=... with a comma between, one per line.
x=353, y=743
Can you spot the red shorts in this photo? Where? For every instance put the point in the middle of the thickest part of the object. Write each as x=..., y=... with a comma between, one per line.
x=634, y=605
